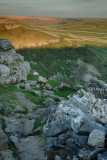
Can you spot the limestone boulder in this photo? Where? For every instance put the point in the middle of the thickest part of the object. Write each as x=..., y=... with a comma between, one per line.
x=42, y=79
x=5, y=44
x=28, y=127
x=47, y=87
x=88, y=127
x=64, y=86
x=31, y=148
x=6, y=155
x=55, y=128
x=35, y=73
x=38, y=93
x=32, y=83
x=4, y=71
x=13, y=68
x=96, y=138
x=49, y=102
x=102, y=156
x=3, y=140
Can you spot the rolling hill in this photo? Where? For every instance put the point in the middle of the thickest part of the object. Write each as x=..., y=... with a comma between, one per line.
x=37, y=31
x=55, y=39
x=22, y=34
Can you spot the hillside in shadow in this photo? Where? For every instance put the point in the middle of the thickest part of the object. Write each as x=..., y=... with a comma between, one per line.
x=50, y=60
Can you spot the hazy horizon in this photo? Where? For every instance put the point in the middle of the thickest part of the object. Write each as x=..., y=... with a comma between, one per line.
x=55, y=8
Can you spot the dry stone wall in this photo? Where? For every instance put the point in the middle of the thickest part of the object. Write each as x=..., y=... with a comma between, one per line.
x=77, y=129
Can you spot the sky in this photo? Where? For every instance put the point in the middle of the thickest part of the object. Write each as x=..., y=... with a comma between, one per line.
x=55, y=8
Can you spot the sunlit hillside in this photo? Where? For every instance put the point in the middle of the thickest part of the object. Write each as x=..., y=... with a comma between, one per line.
x=29, y=31
x=86, y=31
x=23, y=35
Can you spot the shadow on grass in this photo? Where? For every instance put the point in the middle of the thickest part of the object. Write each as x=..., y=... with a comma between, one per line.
x=54, y=58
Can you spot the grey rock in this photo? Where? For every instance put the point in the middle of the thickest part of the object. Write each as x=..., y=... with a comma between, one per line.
x=97, y=83
x=51, y=94
x=55, y=128
x=38, y=93
x=1, y=108
x=2, y=80
x=63, y=86
x=51, y=141
x=3, y=140
x=14, y=126
x=75, y=158
x=19, y=126
x=28, y=127
x=102, y=156
x=62, y=154
x=79, y=140
x=14, y=139
x=21, y=86
x=94, y=153
x=27, y=86
x=6, y=155
x=89, y=126
x=30, y=116
x=38, y=129
x=11, y=80
x=85, y=71
x=57, y=157
x=38, y=86
x=13, y=68
x=32, y=83
x=58, y=98
x=96, y=138
x=83, y=153
x=5, y=44
x=31, y=148
x=58, y=77
x=47, y=87
x=45, y=111
x=74, y=149
x=42, y=79
x=4, y=71
x=48, y=93
x=76, y=122
x=49, y=102
x=35, y=73
x=63, y=138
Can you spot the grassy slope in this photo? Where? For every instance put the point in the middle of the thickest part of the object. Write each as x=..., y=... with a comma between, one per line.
x=50, y=60
x=9, y=99
x=55, y=57
x=23, y=35
x=84, y=32
x=59, y=57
